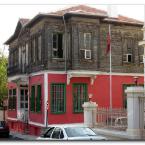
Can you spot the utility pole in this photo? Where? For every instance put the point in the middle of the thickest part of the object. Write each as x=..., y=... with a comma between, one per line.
x=47, y=106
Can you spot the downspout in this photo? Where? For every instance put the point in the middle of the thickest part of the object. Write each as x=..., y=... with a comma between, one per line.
x=65, y=32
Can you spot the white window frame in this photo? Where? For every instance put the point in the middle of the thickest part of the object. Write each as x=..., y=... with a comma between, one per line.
x=85, y=37
x=85, y=53
x=127, y=57
x=142, y=58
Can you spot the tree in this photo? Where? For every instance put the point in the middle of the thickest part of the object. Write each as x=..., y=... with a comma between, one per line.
x=3, y=77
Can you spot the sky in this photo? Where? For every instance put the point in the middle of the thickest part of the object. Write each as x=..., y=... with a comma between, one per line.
x=11, y=11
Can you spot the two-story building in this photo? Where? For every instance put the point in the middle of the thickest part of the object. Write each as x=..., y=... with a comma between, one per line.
x=60, y=59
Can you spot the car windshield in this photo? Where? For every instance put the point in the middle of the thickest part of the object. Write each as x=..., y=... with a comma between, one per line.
x=79, y=131
x=2, y=123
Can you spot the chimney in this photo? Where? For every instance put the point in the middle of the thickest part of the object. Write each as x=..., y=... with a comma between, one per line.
x=112, y=11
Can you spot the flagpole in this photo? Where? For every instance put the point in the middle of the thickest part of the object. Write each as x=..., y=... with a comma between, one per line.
x=110, y=78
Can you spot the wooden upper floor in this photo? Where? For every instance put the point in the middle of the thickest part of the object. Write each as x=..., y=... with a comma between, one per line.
x=75, y=40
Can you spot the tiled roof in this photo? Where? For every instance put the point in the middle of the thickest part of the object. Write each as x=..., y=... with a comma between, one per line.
x=123, y=19
x=83, y=9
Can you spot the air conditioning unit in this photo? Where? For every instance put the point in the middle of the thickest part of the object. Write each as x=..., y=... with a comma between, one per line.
x=127, y=58
x=85, y=54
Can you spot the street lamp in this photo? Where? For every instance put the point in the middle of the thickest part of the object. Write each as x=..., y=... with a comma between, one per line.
x=136, y=80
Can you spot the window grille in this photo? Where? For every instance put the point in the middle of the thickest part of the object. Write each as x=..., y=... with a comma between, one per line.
x=58, y=96
x=12, y=99
x=80, y=95
x=35, y=99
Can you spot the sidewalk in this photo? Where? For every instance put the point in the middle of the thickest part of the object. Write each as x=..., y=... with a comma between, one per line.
x=23, y=136
x=112, y=134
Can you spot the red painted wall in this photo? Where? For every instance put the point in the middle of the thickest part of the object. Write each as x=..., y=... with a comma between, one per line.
x=68, y=116
x=100, y=91
x=34, y=116
x=12, y=113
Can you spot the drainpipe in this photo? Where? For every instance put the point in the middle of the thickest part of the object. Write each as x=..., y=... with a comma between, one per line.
x=65, y=32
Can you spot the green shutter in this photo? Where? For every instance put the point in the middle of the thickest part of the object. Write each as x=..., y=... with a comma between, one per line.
x=38, y=99
x=32, y=103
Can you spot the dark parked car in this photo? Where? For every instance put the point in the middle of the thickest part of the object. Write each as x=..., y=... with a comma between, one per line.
x=4, y=129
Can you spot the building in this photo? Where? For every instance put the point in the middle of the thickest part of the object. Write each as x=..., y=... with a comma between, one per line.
x=60, y=59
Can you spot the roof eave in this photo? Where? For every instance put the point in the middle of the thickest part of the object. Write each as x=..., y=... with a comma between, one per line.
x=85, y=15
x=124, y=22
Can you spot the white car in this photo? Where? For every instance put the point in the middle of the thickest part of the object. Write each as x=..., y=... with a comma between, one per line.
x=69, y=132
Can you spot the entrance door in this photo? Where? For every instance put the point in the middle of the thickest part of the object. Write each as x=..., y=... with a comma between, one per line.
x=24, y=102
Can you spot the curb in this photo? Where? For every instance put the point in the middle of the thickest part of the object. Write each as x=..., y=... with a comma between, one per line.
x=23, y=136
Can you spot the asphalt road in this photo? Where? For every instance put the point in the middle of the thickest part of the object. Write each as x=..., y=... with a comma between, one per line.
x=9, y=138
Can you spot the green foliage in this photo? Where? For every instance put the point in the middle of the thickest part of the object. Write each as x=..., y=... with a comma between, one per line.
x=3, y=77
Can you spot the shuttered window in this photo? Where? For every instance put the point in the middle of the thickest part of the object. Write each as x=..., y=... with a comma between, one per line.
x=58, y=96
x=12, y=99
x=80, y=95
x=35, y=100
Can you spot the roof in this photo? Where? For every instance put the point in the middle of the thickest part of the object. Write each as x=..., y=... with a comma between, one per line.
x=81, y=10
x=123, y=19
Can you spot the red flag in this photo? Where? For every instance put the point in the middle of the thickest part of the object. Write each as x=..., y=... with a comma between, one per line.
x=108, y=43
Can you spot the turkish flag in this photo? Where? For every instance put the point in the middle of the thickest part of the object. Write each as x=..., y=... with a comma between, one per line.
x=108, y=43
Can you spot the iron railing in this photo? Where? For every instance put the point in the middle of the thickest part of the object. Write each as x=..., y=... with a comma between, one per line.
x=115, y=118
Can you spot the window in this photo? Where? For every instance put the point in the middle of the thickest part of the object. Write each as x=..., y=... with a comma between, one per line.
x=87, y=40
x=141, y=58
x=80, y=94
x=39, y=48
x=33, y=50
x=58, y=95
x=26, y=53
x=127, y=58
x=49, y=132
x=57, y=51
x=56, y=133
x=35, y=100
x=24, y=99
x=85, y=54
x=12, y=99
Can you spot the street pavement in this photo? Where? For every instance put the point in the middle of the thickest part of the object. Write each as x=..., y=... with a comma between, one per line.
x=11, y=137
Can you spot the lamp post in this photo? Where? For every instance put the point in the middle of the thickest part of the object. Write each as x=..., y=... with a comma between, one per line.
x=136, y=80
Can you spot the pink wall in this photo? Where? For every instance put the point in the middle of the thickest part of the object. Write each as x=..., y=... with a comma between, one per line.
x=34, y=116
